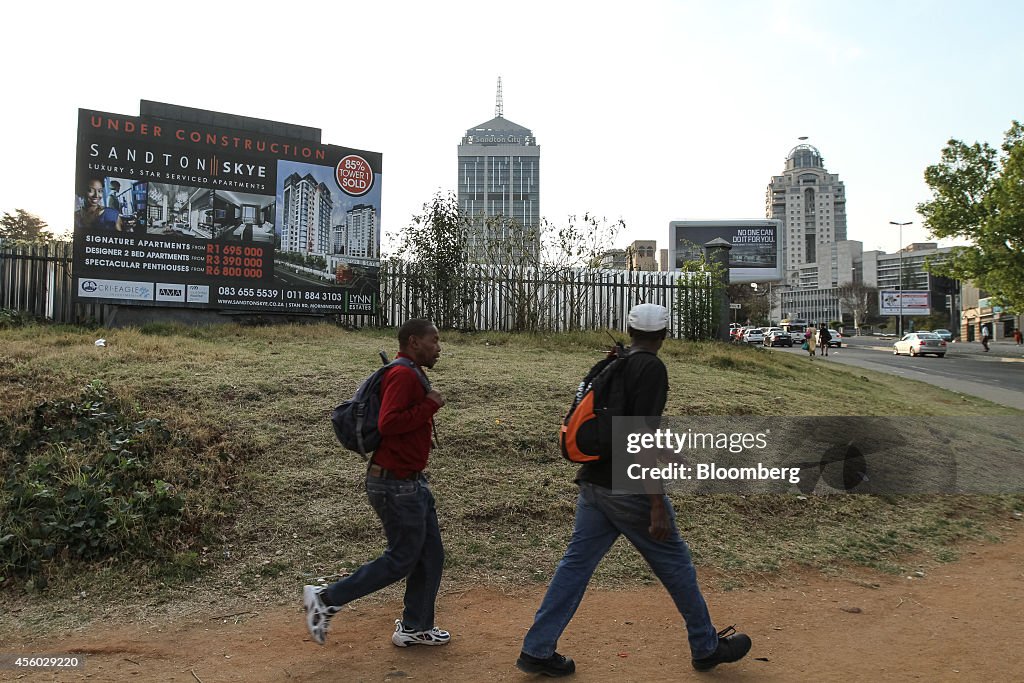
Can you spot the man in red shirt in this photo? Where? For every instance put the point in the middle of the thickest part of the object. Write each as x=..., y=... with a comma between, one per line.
x=401, y=497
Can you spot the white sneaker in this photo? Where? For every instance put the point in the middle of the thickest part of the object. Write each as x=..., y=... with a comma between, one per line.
x=404, y=638
x=318, y=615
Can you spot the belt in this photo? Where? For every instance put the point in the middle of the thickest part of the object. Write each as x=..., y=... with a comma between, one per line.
x=381, y=473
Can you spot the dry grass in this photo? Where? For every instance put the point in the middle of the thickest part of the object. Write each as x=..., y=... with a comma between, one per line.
x=505, y=496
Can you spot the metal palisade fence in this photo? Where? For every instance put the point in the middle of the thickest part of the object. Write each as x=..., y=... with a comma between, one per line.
x=37, y=279
x=512, y=299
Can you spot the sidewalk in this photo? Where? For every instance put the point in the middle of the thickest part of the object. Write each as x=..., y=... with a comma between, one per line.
x=1002, y=348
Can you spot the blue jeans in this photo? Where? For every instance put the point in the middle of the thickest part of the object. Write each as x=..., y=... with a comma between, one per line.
x=414, y=552
x=601, y=516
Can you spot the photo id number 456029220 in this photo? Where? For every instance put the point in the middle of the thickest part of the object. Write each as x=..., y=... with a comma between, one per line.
x=25, y=662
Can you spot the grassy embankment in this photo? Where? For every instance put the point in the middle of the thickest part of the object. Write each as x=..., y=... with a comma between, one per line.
x=277, y=503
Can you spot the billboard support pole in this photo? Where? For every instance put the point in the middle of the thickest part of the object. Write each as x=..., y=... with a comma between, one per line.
x=717, y=251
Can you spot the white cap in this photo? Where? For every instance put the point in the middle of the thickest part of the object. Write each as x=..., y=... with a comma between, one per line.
x=648, y=318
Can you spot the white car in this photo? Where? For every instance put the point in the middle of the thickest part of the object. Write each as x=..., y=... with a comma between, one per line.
x=920, y=344
x=754, y=336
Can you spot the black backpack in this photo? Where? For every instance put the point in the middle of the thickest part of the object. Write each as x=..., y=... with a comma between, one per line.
x=587, y=428
x=355, y=420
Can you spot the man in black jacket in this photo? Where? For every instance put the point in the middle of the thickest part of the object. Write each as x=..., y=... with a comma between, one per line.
x=647, y=520
x=824, y=337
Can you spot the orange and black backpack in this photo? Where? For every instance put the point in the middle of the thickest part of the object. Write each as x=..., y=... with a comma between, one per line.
x=587, y=428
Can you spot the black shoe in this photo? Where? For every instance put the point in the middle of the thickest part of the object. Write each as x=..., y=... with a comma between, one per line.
x=554, y=666
x=732, y=647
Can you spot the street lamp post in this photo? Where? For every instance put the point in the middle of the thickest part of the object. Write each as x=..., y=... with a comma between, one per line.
x=900, y=328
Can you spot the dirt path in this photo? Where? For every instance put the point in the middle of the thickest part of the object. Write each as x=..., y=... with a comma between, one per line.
x=959, y=622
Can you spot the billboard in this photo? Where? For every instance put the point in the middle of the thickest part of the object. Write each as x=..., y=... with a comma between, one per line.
x=185, y=214
x=906, y=302
x=755, y=255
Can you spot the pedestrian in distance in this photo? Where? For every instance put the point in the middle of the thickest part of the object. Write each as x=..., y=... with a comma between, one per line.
x=399, y=493
x=824, y=337
x=1018, y=337
x=646, y=520
x=810, y=341
x=986, y=335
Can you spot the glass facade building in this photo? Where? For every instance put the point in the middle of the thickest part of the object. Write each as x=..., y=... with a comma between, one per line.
x=306, y=221
x=499, y=189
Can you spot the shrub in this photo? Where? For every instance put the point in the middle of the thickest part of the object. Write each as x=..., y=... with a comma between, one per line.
x=10, y=318
x=80, y=484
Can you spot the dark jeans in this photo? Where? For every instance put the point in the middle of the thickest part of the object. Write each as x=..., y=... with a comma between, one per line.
x=601, y=516
x=415, y=553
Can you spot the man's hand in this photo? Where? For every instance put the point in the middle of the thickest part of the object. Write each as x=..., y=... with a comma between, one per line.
x=435, y=396
x=661, y=525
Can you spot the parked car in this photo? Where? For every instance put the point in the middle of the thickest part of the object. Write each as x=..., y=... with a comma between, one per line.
x=754, y=335
x=776, y=336
x=920, y=344
x=741, y=333
x=945, y=335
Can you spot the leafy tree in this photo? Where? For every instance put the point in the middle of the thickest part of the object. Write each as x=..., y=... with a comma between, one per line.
x=23, y=226
x=756, y=303
x=978, y=194
x=437, y=243
x=698, y=301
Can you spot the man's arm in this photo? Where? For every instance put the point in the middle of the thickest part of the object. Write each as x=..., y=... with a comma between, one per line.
x=661, y=526
x=403, y=407
x=651, y=393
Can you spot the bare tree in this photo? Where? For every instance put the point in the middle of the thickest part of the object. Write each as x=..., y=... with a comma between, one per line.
x=857, y=297
x=570, y=248
x=511, y=258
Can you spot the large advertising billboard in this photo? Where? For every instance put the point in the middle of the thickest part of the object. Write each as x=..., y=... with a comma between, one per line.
x=755, y=255
x=906, y=302
x=174, y=213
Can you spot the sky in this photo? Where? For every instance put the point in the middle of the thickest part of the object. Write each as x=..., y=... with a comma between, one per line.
x=647, y=112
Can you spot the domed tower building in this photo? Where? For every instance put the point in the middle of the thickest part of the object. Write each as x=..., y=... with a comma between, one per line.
x=811, y=203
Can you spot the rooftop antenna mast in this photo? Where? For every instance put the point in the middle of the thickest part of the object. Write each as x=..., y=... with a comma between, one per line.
x=499, y=107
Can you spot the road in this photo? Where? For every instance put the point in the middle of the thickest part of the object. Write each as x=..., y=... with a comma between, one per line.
x=996, y=376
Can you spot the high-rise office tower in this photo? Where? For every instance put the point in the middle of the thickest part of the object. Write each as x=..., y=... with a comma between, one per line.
x=306, y=218
x=361, y=228
x=339, y=239
x=811, y=203
x=499, y=189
